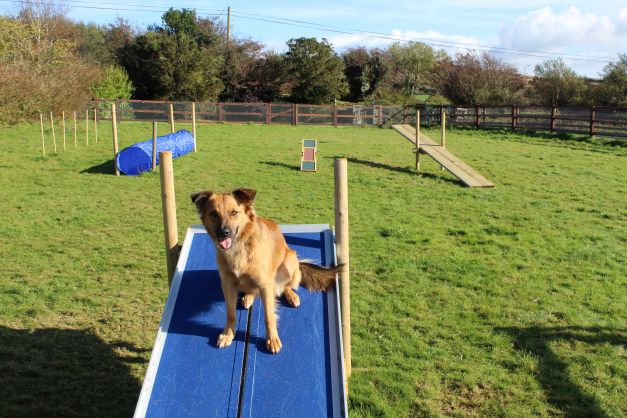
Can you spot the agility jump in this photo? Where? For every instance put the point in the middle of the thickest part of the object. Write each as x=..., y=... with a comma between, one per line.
x=189, y=376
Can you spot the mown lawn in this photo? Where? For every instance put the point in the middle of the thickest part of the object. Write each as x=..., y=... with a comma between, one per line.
x=465, y=302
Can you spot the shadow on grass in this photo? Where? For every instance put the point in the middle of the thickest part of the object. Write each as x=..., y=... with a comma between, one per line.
x=278, y=164
x=558, y=138
x=63, y=372
x=561, y=392
x=404, y=170
x=108, y=167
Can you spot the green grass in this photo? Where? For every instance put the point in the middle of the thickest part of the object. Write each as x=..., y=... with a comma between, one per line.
x=465, y=302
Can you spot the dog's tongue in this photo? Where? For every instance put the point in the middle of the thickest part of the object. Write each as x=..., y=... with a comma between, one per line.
x=225, y=243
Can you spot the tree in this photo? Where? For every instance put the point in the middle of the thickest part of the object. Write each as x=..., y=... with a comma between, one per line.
x=316, y=71
x=239, y=61
x=113, y=84
x=364, y=71
x=613, y=88
x=268, y=80
x=555, y=84
x=412, y=65
x=176, y=61
x=471, y=79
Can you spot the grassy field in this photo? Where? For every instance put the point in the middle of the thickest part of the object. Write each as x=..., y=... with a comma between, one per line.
x=465, y=302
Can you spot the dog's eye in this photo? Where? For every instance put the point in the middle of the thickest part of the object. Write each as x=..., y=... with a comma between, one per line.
x=214, y=214
x=234, y=212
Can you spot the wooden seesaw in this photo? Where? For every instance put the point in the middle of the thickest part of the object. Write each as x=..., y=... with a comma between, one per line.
x=425, y=145
x=188, y=376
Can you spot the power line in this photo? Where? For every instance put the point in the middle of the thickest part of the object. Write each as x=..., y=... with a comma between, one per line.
x=428, y=41
x=121, y=7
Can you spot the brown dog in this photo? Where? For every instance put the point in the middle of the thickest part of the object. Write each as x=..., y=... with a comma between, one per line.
x=254, y=258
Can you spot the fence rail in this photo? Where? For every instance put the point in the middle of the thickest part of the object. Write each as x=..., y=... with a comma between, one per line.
x=603, y=121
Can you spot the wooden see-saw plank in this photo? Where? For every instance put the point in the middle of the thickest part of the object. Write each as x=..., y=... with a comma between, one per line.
x=445, y=158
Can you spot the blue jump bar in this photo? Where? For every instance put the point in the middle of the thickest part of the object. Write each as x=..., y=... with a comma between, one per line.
x=188, y=376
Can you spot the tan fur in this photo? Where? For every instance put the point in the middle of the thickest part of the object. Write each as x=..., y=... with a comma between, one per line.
x=258, y=262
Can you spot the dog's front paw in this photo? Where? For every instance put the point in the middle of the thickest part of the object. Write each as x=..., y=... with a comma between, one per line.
x=274, y=345
x=224, y=340
x=247, y=301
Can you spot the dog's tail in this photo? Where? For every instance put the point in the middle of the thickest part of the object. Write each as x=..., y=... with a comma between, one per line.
x=316, y=278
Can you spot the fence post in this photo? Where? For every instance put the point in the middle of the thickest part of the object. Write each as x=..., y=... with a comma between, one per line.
x=341, y=241
x=96, y=123
x=115, y=137
x=417, y=150
x=168, y=204
x=154, y=146
x=553, y=119
x=296, y=113
x=477, y=110
x=43, y=141
x=513, y=116
x=194, y=123
x=268, y=113
x=63, y=126
x=87, y=126
x=54, y=140
x=172, y=117
x=75, y=142
x=593, y=116
x=293, y=113
x=335, y=115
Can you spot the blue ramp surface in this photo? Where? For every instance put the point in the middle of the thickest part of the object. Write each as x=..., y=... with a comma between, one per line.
x=188, y=376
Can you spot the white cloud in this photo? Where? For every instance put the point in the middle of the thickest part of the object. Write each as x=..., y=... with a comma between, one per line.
x=434, y=38
x=547, y=30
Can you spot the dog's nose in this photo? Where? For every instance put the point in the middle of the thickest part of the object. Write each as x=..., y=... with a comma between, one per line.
x=224, y=232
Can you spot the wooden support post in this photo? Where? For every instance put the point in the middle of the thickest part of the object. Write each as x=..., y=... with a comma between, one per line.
x=341, y=242
x=63, y=126
x=96, y=124
x=417, y=149
x=443, y=133
x=43, y=141
x=114, y=126
x=154, y=146
x=75, y=142
x=268, y=113
x=295, y=113
x=54, y=140
x=443, y=128
x=513, y=117
x=172, y=117
x=87, y=127
x=553, y=112
x=220, y=116
x=194, y=123
x=335, y=115
x=477, y=111
x=168, y=204
x=593, y=116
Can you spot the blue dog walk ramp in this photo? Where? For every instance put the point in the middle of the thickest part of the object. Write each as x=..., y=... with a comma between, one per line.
x=189, y=377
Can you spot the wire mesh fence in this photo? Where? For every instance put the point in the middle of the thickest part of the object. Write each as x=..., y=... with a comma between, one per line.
x=604, y=121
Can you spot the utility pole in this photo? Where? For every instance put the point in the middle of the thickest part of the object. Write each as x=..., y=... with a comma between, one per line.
x=228, y=26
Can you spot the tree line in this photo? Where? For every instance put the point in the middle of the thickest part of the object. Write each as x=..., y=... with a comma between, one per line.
x=48, y=62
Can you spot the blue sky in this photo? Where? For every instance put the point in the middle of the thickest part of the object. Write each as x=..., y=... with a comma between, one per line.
x=522, y=30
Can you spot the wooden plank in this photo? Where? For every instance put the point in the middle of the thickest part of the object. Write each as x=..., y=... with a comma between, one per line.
x=445, y=158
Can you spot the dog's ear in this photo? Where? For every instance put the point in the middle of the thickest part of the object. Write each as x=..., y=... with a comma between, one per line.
x=200, y=199
x=244, y=196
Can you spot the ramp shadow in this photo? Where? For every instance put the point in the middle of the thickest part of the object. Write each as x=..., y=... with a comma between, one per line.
x=64, y=372
x=403, y=170
x=561, y=392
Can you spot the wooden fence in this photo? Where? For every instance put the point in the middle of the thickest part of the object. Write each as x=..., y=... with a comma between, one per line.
x=603, y=121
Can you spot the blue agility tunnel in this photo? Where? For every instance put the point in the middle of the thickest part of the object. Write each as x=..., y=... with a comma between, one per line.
x=137, y=158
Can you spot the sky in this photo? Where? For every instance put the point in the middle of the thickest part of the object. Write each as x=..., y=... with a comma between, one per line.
x=586, y=34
